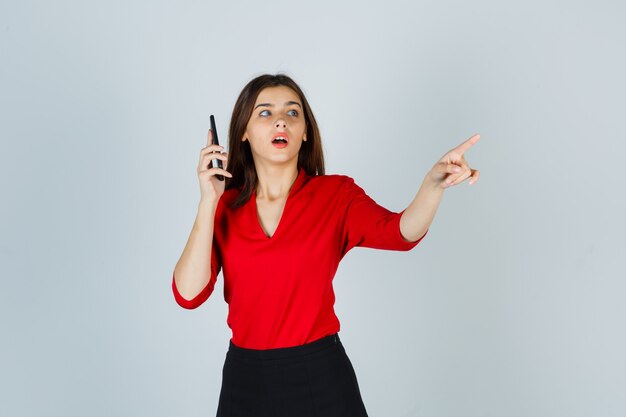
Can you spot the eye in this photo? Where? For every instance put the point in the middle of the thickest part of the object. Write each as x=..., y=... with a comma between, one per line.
x=261, y=113
x=293, y=112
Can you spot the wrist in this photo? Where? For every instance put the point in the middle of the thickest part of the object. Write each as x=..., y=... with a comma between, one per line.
x=207, y=205
x=432, y=184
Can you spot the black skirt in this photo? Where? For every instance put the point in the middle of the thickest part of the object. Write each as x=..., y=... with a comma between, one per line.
x=313, y=380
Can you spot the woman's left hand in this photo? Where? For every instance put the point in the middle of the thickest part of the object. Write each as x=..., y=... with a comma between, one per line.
x=452, y=168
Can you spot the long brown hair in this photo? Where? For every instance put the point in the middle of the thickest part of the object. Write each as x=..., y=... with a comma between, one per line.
x=240, y=162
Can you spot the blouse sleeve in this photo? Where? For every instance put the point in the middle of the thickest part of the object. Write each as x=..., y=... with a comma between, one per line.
x=368, y=224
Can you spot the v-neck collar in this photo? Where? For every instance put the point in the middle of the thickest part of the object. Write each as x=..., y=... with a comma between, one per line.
x=296, y=186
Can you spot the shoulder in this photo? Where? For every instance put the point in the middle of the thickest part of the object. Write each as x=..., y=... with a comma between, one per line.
x=335, y=186
x=331, y=180
x=230, y=194
x=226, y=200
x=342, y=184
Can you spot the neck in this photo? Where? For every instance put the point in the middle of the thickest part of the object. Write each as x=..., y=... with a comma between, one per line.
x=275, y=182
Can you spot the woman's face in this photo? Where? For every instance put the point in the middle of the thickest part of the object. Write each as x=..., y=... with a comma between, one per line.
x=277, y=113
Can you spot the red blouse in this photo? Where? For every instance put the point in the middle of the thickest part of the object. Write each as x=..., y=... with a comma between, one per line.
x=279, y=289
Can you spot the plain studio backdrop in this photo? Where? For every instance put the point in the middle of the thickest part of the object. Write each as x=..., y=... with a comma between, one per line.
x=513, y=305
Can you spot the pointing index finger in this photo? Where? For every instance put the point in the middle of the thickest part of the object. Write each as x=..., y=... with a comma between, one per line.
x=209, y=136
x=462, y=148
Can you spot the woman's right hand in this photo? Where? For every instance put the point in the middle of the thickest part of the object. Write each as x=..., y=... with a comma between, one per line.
x=211, y=189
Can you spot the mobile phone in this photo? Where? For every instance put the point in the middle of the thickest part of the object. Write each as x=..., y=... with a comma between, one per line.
x=215, y=162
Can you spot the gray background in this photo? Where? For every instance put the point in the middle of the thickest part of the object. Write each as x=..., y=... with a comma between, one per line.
x=512, y=306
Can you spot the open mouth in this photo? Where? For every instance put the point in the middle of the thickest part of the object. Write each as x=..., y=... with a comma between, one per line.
x=280, y=140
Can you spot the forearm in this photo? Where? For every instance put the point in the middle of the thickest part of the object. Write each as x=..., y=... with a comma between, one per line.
x=419, y=215
x=193, y=269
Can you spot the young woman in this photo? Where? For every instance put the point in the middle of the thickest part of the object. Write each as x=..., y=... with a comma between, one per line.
x=278, y=227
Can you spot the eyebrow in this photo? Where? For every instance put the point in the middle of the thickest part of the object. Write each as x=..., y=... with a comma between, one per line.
x=271, y=105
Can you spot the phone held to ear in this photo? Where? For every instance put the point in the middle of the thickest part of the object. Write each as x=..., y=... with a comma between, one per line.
x=215, y=163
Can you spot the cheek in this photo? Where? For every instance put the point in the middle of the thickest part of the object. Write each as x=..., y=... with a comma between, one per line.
x=255, y=130
x=302, y=128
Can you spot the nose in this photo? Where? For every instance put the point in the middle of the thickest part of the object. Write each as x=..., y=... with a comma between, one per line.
x=280, y=124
